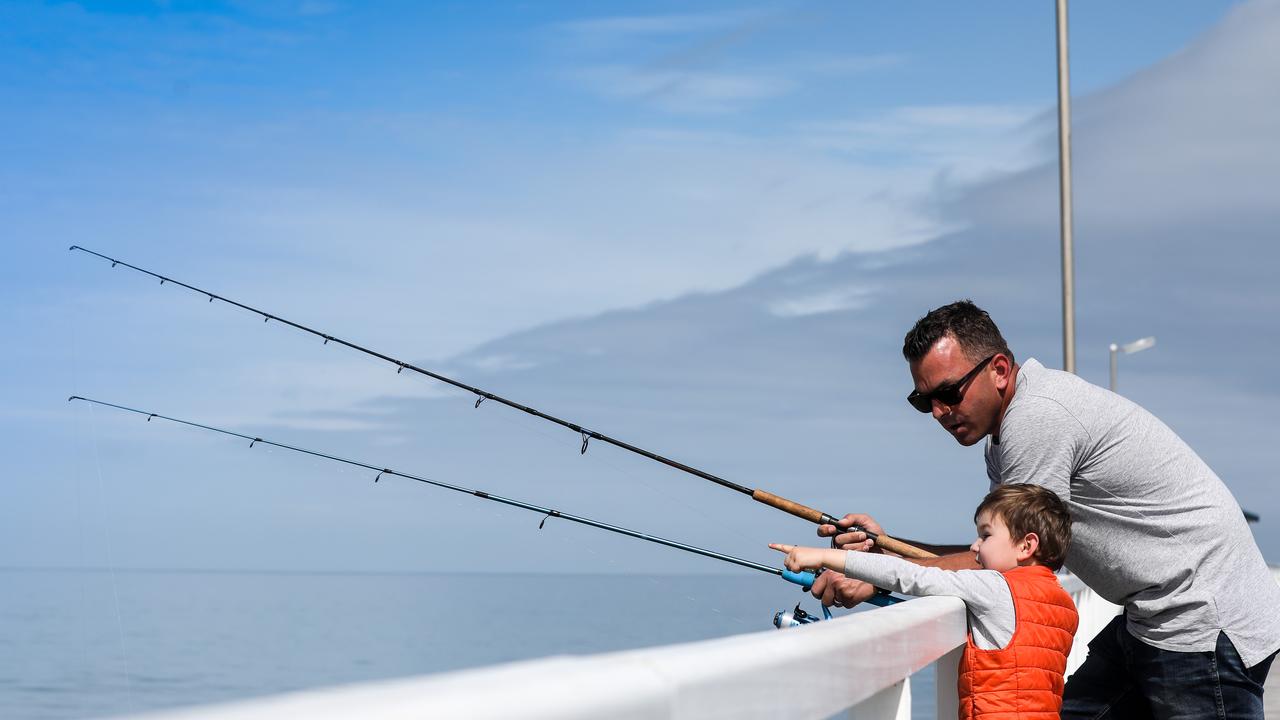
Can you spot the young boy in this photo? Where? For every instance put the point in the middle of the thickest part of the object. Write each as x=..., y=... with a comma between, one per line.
x=1021, y=621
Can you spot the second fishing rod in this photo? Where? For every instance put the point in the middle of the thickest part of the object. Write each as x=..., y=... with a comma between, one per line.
x=782, y=619
x=802, y=511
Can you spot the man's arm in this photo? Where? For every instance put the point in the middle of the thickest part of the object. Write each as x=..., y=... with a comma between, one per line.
x=965, y=560
x=843, y=539
x=935, y=549
x=835, y=589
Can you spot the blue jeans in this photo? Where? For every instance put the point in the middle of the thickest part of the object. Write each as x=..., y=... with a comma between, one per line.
x=1123, y=678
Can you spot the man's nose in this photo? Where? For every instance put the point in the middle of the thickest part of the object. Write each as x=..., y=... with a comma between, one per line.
x=940, y=409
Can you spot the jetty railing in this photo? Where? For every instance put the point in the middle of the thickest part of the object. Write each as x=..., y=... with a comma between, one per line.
x=858, y=666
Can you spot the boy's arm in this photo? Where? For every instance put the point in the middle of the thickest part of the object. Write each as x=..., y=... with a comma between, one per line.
x=986, y=595
x=934, y=576
x=981, y=590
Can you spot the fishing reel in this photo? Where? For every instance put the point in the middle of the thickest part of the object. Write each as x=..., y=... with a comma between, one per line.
x=796, y=617
x=805, y=579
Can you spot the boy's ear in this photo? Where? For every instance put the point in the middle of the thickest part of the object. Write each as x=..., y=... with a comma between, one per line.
x=1028, y=547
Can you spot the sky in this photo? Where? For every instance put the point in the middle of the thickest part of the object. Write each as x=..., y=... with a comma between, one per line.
x=702, y=233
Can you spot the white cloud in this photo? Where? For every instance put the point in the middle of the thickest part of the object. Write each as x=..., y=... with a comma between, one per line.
x=635, y=217
x=681, y=87
x=822, y=302
x=496, y=363
x=847, y=65
x=999, y=118
x=1190, y=138
x=680, y=90
x=966, y=142
x=671, y=61
x=610, y=30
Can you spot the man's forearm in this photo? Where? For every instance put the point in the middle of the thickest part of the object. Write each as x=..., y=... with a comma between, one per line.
x=935, y=549
x=953, y=561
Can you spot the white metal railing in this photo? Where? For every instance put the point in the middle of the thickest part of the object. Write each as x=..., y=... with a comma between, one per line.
x=860, y=661
x=859, y=665
x=1095, y=613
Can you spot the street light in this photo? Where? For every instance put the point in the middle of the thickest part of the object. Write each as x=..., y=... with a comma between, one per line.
x=1129, y=349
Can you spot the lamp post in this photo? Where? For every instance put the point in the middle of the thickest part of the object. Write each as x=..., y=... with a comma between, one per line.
x=1127, y=349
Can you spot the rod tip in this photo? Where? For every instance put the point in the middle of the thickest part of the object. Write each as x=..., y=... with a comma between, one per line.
x=74, y=247
x=74, y=397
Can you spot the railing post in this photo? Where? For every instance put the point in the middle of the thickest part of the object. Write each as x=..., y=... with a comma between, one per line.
x=948, y=677
x=893, y=702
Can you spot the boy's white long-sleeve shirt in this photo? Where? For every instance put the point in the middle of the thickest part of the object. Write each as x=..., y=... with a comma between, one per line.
x=985, y=593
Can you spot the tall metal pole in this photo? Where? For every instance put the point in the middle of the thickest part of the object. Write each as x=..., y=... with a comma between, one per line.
x=1064, y=187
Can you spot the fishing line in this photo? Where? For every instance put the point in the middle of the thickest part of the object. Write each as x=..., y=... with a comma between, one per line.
x=80, y=522
x=85, y=575
x=105, y=516
x=111, y=566
x=586, y=434
x=804, y=579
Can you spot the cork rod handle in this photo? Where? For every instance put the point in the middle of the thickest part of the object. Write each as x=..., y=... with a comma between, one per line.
x=818, y=517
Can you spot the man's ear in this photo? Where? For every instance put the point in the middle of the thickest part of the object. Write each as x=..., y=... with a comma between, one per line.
x=1003, y=368
x=1028, y=547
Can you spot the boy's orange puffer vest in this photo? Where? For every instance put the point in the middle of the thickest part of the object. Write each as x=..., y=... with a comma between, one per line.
x=1023, y=681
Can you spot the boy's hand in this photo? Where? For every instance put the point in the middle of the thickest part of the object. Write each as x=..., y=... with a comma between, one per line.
x=832, y=588
x=802, y=558
x=857, y=540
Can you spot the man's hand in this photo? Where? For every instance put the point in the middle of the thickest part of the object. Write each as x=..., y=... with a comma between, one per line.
x=844, y=540
x=832, y=588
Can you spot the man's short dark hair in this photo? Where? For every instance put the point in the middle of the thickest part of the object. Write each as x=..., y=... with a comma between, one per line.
x=971, y=326
x=1025, y=508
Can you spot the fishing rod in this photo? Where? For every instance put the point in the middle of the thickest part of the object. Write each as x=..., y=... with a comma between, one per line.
x=802, y=511
x=782, y=619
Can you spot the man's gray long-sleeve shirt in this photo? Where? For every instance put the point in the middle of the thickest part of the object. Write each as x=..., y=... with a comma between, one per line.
x=1154, y=529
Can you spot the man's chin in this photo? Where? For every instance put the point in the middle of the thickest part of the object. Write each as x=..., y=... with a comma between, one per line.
x=967, y=438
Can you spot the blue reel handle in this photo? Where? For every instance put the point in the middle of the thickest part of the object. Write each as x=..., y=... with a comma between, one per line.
x=803, y=579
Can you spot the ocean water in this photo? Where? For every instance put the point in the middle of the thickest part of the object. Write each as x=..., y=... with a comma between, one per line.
x=79, y=644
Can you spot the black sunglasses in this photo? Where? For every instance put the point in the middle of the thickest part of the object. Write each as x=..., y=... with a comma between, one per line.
x=949, y=395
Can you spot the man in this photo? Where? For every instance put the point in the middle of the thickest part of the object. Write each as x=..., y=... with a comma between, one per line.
x=1154, y=529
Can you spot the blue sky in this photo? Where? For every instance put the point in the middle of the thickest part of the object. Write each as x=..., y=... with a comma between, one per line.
x=703, y=233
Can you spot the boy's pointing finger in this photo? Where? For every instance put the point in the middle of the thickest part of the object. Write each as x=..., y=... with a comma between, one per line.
x=782, y=548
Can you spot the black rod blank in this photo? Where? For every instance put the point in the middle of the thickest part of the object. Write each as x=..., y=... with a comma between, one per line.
x=481, y=395
x=381, y=472
x=802, y=511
